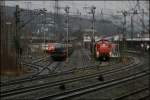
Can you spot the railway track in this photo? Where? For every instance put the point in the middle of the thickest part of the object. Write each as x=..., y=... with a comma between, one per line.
x=31, y=78
x=23, y=90
x=145, y=98
x=34, y=59
x=37, y=67
x=85, y=58
x=38, y=77
x=127, y=95
x=33, y=70
x=34, y=66
x=93, y=87
x=40, y=59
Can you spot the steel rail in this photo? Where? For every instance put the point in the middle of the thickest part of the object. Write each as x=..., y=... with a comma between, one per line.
x=131, y=93
x=33, y=77
x=53, y=75
x=50, y=84
x=91, y=88
x=43, y=76
x=145, y=98
x=37, y=60
x=31, y=65
x=27, y=78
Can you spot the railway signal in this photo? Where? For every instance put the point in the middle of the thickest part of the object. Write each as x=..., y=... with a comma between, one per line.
x=17, y=14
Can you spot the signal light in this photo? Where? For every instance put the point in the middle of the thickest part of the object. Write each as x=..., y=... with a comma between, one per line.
x=17, y=14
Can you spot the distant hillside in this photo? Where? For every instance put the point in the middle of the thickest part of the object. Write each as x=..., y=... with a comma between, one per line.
x=35, y=26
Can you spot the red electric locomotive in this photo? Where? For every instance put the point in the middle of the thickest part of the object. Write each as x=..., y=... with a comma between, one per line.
x=103, y=49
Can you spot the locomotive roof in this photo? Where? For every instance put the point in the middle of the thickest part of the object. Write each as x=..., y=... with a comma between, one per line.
x=103, y=40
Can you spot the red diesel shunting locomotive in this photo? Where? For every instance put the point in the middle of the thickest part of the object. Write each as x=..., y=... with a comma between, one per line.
x=103, y=49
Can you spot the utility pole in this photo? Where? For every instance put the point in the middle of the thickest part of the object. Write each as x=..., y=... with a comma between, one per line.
x=124, y=37
x=66, y=9
x=132, y=26
x=17, y=19
x=102, y=20
x=132, y=20
x=67, y=13
x=132, y=30
x=44, y=26
x=142, y=12
x=28, y=4
x=79, y=16
x=142, y=20
x=17, y=37
x=124, y=24
x=80, y=26
x=123, y=48
x=143, y=28
x=125, y=13
x=93, y=27
x=43, y=13
x=56, y=20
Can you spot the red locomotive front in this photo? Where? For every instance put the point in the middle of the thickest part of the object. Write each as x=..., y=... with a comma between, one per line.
x=50, y=48
x=103, y=49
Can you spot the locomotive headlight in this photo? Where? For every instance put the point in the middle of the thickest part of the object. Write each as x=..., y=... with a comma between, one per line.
x=51, y=48
x=110, y=53
x=103, y=45
x=97, y=54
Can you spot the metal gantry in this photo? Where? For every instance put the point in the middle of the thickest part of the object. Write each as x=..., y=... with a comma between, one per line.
x=67, y=13
x=92, y=11
x=66, y=9
x=20, y=25
x=56, y=11
x=44, y=26
x=123, y=48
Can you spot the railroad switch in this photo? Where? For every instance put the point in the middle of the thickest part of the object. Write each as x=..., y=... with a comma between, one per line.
x=100, y=78
x=62, y=87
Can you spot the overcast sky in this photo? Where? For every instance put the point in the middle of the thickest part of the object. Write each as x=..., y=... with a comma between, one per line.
x=108, y=7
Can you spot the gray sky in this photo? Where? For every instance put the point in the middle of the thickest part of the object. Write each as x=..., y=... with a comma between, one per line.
x=108, y=7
